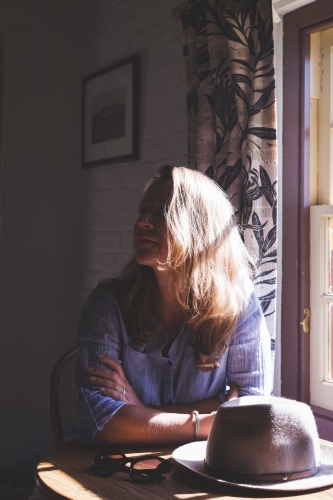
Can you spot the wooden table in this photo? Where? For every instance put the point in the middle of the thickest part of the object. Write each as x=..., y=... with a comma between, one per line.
x=64, y=473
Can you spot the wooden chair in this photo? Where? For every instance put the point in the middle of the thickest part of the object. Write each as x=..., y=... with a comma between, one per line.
x=54, y=400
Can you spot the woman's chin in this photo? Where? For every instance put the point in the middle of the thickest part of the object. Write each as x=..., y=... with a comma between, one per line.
x=146, y=260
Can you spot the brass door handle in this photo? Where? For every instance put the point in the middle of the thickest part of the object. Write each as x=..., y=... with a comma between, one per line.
x=305, y=322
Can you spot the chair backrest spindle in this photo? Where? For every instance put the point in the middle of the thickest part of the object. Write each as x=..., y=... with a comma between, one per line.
x=54, y=406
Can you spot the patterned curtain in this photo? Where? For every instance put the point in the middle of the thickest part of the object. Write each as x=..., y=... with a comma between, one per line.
x=229, y=62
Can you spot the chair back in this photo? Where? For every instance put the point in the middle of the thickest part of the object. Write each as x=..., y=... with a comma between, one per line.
x=54, y=390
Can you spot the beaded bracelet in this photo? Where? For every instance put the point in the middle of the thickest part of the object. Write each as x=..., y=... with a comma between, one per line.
x=197, y=425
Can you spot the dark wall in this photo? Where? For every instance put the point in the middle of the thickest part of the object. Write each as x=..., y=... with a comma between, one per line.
x=63, y=228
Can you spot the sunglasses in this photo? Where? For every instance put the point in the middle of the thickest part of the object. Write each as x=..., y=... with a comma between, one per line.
x=142, y=469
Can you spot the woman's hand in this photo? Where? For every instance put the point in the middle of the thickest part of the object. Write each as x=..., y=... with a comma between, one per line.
x=112, y=381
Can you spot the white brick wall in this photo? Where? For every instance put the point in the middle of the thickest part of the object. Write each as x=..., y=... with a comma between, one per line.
x=122, y=29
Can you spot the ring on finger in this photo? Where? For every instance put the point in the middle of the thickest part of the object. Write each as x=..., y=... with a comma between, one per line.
x=123, y=391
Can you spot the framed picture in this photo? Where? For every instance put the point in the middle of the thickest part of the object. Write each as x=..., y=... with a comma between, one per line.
x=110, y=128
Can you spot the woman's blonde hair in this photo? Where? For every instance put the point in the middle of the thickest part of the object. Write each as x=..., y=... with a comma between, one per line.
x=207, y=262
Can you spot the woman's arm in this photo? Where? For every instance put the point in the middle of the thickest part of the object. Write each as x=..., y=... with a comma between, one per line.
x=204, y=406
x=249, y=353
x=135, y=423
x=98, y=332
x=138, y=425
x=113, y=383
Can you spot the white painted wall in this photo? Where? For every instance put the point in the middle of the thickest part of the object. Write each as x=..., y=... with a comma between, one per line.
x=284, y=6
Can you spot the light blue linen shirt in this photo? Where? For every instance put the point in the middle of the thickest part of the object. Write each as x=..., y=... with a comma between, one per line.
x=155, y=379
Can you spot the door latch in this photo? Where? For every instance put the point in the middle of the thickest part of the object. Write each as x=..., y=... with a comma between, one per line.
x=305, y=322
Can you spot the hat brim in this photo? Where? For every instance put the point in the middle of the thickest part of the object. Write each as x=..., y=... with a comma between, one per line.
x=192, y=457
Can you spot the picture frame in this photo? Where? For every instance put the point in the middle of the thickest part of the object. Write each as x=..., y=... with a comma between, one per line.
x=110, y=114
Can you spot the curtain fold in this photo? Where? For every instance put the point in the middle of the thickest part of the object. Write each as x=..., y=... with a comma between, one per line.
x=229, y=62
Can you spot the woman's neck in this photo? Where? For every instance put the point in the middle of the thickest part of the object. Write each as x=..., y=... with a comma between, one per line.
x=169, y=311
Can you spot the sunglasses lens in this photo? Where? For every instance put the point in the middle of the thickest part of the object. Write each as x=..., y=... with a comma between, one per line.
x=150, y=463
x=114, y=456
x=149, y=469
x=142, y=470
x=101, y=470
x=107, y=464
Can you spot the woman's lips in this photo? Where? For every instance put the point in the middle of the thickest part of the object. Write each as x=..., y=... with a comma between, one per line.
x=145, y=241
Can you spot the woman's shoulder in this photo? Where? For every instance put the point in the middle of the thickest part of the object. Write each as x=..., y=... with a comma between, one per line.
x=105, y=293
x=248, y=290
x=109, y=286
x=102, y=305
x=252, y=316
x=253, y=301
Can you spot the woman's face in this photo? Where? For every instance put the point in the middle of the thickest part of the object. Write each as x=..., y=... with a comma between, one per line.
x=150, y=232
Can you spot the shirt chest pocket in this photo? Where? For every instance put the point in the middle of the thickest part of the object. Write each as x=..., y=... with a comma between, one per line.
x=138, y=372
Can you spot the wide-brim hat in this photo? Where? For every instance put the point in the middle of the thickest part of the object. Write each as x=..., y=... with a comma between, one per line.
x=261, y=430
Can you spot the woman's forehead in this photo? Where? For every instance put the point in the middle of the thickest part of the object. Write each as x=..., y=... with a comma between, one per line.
x=158, y=192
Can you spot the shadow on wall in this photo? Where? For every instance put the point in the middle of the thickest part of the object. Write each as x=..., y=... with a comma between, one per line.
x=17, y=481
x=43, y=211
x=64, y=228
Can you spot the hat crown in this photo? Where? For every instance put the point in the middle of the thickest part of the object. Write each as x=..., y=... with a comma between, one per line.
x=258, y=435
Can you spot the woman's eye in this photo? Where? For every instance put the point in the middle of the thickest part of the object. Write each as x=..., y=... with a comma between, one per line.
x=159, y=214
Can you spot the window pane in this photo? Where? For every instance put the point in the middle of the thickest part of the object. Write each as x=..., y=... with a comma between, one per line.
x=321, y=321
x=330, y=344
x=330, y=255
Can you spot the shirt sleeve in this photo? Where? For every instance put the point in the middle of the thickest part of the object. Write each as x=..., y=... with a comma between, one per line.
x=99, y=331
x=249, y=354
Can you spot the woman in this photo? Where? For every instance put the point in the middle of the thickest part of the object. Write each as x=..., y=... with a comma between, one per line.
x=159, y=346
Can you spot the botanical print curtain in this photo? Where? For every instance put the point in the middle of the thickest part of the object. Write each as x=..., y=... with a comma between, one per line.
x=229, y=61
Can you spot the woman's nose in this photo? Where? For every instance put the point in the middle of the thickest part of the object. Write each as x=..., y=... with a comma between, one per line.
x=145, y=221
